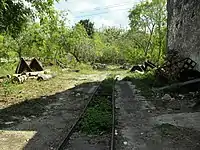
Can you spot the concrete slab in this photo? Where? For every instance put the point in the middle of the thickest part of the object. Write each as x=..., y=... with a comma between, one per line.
x=19, y=139
x=187, y=120
x=132, y=118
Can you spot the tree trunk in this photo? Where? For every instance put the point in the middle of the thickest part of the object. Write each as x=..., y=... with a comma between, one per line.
x=160, y=37
x=76, y=57
x=19, y=53
x=149, y=41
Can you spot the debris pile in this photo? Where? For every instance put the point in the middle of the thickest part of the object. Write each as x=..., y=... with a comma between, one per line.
x=125, y=66
x=30, y=70
x=166, y=97
x=143, y=67
x=175, y=68
x=181, y=70
x=98, y=66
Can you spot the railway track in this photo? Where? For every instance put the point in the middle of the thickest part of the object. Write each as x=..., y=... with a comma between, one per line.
x=112, y=145
x=64, y=143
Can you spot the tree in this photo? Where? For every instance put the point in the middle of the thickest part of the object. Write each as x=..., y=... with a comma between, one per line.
x=38, y=39
x=52, y=41
x=89, y=26
x=14, y=14
x=148, y=22
x=76, y=41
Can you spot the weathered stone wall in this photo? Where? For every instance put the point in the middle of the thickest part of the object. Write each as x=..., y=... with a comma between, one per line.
x=184, y=28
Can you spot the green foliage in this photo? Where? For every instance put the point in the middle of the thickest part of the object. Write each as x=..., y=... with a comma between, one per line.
x=98, y=117
x=148, y=22
x=7, y=68
x=15, y=14
x=41, y=40
x=89, y=26
x=50, y=40
x=7, y=87
x=79, y=44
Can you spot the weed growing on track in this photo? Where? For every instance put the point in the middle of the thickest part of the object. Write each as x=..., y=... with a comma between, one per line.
x=98, y=117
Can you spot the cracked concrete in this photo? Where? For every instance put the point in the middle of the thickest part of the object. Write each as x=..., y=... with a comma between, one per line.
x=141, y=127
x=186, y=120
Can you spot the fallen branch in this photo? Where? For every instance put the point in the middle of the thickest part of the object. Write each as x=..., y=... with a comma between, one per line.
x=44, y=77
x=20, y=79
x=176, y=85
x=3, y=77
x=16, y=75
x=32, y=77
x=36, y=73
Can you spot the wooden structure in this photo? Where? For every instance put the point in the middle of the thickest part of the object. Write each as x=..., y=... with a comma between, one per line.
x=28, y=66
x=23, y=66
x=35, y=65
x=172, y=70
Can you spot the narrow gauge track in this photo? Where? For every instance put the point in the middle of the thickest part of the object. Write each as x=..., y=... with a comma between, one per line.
x=112, y=145
x=64, y=142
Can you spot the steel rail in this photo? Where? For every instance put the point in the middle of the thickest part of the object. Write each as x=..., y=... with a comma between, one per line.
x=112, y=147
x=65, y=141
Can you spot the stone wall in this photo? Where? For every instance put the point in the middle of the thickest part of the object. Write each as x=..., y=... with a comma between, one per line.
x=184, y=28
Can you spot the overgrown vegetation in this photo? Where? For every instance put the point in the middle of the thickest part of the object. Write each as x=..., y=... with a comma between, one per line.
x=33, y=28
x=98, y=117
x=43, y=34
x=144, y=82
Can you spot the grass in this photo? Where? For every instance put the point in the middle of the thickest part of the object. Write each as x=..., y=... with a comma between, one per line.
x=25, y=99
x=144, y=82
x=98, y=117
x=14, y=93
x=7, y=68
x=28, y=100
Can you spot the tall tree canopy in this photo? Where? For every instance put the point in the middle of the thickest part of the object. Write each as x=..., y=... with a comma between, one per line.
x=88, y=25
x=33, y=28
x=148, y=25
x=15, y=13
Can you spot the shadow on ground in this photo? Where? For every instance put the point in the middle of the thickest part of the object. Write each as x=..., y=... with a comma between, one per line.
x=40, y=123
x=183, y=99
x=176, y=123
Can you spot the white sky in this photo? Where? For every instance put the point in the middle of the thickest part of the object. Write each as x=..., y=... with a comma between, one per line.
x=101, y=12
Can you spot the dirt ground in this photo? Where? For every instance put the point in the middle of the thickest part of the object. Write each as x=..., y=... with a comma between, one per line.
x=94, y=131
x=80, y=141
x=11, y=94
x=144, y=121
x=151, y=123
x=39, y=123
